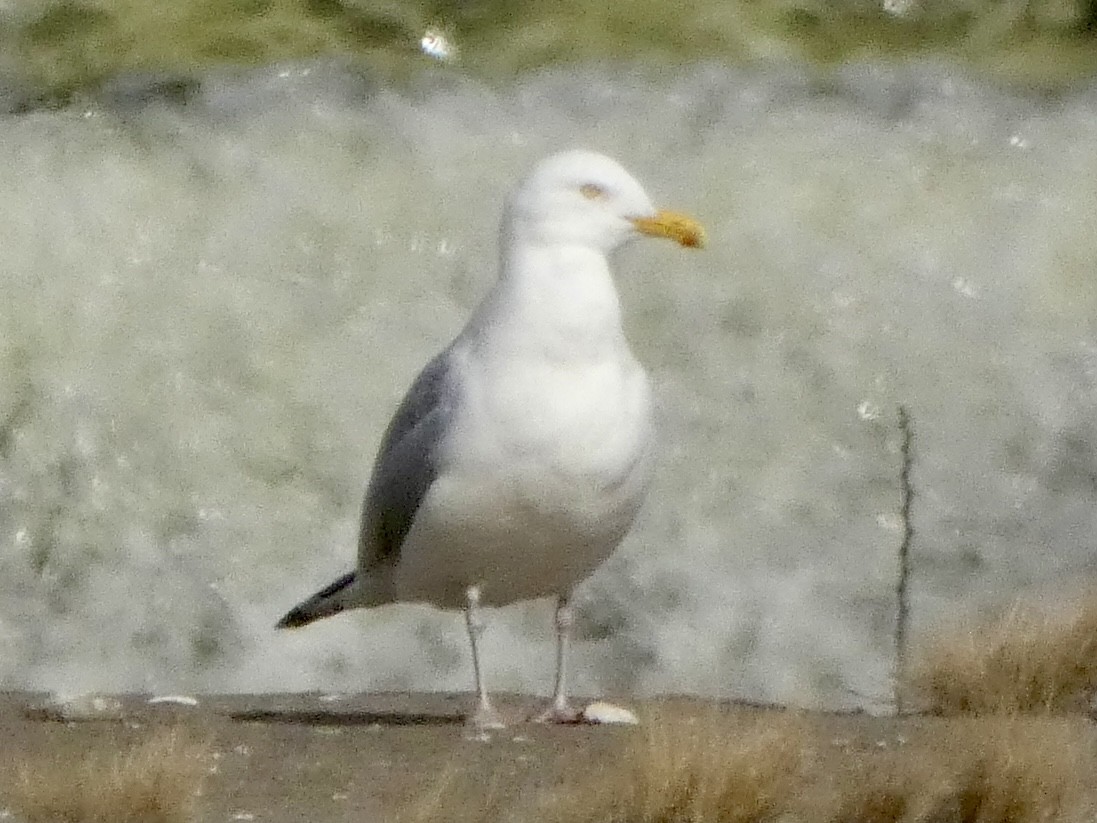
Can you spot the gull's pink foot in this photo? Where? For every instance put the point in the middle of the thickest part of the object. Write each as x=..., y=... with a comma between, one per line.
x=485, y=719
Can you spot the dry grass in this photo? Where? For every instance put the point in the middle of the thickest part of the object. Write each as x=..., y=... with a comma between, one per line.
x=1031, y=660
x=454, y=798
x=758, y=767
x=1015, y=745
x=697, y=769
x=153, y=782
x=769, y=768
x=974, y=770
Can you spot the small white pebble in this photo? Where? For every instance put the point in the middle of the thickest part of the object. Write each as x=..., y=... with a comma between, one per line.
x=243, y=816
x=606, y=713
x=964, y=287
x=436, y=44
x=867, y=410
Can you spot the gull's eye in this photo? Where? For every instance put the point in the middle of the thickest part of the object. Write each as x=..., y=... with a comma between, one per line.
x=592, y=191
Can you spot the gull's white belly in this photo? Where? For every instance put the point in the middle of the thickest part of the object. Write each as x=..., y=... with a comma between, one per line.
x=548, y=478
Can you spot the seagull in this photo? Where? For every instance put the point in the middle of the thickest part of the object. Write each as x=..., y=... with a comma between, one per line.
x=519, y=457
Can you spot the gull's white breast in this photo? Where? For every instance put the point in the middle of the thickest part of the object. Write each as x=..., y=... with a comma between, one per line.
x=545, y=470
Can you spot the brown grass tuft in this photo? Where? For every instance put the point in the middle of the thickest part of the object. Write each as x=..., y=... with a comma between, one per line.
x=1031, y=660
x=698, y=769
x=1022, y=769
x=154, y=782
x=1003, y=769
x=770, y=767
x=766, y=767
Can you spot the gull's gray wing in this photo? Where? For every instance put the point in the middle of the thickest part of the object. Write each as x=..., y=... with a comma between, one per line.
x=407, y=463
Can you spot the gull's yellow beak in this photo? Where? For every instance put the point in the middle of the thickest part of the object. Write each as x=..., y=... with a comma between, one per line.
x=685, y=231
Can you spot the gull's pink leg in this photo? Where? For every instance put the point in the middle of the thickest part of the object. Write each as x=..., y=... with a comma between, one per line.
x=560, y=711
x=485, y=717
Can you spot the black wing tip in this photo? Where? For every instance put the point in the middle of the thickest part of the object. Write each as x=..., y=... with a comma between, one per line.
x=294, y=619
x=315, y=607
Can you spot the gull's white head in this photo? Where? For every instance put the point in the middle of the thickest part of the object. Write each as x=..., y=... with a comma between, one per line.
x=582, y=198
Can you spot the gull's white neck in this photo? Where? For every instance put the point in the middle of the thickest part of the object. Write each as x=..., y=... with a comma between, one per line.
x=553, y=301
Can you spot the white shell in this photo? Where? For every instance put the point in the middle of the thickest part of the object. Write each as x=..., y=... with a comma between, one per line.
x=606, y=713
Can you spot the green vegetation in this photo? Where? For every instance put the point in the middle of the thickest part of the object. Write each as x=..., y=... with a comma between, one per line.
x=66, y=46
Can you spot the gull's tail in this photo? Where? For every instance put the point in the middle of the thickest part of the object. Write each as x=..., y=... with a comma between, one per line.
x=343, y=594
